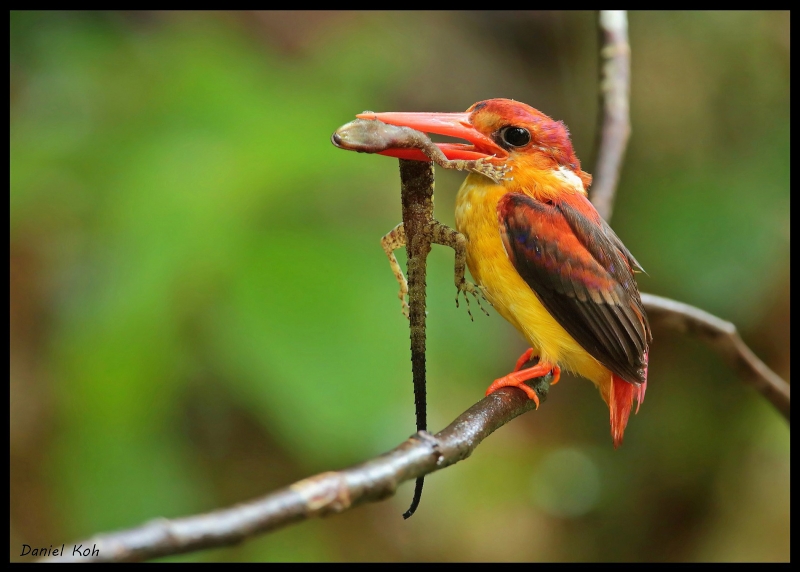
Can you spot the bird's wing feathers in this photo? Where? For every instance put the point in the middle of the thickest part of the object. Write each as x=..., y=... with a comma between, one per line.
x=583, y=275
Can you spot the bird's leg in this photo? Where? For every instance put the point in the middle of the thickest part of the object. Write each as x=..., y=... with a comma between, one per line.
x=443, y=234
x=523, y=359
x=519, y=376
x=527, y=356
x=394, y=239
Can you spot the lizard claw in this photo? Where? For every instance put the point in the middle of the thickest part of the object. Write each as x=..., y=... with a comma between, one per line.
x=483, y=293
x=404, y=308
x=467, y=288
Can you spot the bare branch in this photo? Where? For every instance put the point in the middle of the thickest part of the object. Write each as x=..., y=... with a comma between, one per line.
x=320, y=495
x=724, y=337
x=422, y=454
x=615, y=125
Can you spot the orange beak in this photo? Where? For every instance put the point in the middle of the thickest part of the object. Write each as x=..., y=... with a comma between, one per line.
x=451, y=124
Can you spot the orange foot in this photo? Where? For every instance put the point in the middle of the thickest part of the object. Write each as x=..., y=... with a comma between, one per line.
x=519, y=376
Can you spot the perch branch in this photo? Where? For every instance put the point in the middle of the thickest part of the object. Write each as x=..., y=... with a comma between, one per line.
x=422, y=454
x=320, y=495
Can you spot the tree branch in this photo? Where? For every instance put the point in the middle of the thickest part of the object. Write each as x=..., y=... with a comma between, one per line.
x=320, y=495
x=615, y=126
x=723, y=337
x=422, y=454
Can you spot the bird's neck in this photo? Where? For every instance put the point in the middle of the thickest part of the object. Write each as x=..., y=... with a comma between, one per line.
x=545, y=184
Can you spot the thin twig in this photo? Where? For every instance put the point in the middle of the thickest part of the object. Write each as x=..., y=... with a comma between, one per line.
x=724, y=337
x=613, y=135
x=320, y=495
x=615, y=125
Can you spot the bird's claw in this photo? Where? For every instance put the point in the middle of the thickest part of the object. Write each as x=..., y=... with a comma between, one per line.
x=467, y=288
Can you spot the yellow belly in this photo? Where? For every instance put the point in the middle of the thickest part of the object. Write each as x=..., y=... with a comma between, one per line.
x=476, y=218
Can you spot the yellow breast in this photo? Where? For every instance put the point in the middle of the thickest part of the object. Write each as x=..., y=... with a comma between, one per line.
x=476, y=219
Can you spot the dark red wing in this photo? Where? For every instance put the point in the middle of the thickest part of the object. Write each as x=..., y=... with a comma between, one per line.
x=583, y=275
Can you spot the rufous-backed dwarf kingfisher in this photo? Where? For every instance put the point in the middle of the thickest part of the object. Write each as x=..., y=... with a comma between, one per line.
x=540, y=252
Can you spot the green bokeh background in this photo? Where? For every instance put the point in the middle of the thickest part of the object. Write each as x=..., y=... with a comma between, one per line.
x=201, y=311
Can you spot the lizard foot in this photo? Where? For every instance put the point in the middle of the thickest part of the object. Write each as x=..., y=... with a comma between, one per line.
x=497, y=173
x=468, y=288
x=404, y=308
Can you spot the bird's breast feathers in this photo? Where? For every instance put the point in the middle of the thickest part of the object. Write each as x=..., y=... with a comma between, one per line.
x=512, y=297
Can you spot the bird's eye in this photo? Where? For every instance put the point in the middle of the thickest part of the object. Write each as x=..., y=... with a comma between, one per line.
x=516, y=136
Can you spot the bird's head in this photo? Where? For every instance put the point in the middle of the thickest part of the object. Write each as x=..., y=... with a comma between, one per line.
x=536, y=149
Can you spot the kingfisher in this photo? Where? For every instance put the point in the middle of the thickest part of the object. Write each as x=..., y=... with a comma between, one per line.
x=540, y=252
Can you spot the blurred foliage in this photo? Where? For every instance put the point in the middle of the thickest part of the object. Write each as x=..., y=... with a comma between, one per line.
x=201, y=312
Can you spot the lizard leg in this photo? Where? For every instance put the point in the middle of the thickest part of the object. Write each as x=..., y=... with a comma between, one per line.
x=394, y=239
x=443, y=234
x=497, y=173
x=483, y=166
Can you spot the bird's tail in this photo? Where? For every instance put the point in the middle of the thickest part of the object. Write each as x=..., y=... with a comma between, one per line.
x=621, y=403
